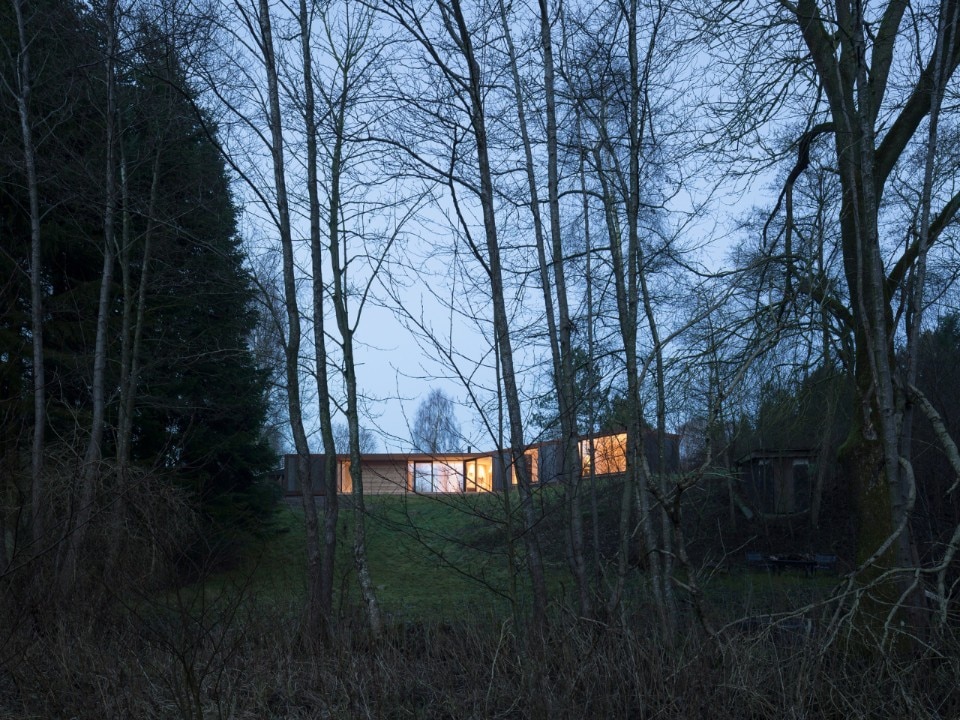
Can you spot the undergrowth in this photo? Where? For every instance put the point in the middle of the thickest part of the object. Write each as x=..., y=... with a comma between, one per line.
x=231, y=644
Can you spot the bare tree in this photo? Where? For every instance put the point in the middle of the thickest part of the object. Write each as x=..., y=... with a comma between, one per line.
x=556, y=309
x=872, y=82
x=341, y=439
x=452, y=55
x=616, y=104
x=258, y=22
x=90, y=469
x=22, y=93
x=435, y=427
x=323, y=576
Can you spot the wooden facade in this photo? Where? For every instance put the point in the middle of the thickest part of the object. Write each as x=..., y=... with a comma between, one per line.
x=396, y=473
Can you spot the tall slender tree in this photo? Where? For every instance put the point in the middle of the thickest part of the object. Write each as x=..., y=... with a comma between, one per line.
x=91, y=469
x=453, y=55
x=22, y=90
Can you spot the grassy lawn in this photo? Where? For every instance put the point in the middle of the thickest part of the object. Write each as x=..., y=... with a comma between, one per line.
x=446, y=557
x=429, y=556
x=433, y=556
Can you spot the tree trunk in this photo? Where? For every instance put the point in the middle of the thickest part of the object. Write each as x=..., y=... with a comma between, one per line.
x=37, y=502
x=590, y=370
x=566, y=379
x=130, y=351
x=880, y=475
x=501, y=325
x=90, y=470
x=560, y=351
x=292, y=347
x=367, y=588
x=339, y=109
x=637, y=474
x=320, y=557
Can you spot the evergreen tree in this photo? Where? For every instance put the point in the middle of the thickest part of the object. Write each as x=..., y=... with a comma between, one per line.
x=204, y=408
x=199, y=397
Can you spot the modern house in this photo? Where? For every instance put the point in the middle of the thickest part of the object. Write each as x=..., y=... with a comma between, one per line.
x=393, y=473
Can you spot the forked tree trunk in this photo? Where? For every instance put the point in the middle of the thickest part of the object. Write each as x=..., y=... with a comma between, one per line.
x=340, y=100
x=621, y=196
x=566, y=373
x=134, y=310
x=367, y=588
x=867, y=151
x=559, y=337
x=320, y=558
x=91, y=468
x=636, y=487
x=501, y=325
x=469, y=89
x=292, y=346
x=129, y=350
x=591, y=356
x=365, y=579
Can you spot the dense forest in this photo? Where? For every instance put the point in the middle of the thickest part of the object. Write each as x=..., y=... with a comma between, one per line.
x=125, y=284
x=730, y=225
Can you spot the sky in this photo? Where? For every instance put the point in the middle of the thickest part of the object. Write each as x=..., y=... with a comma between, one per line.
x=396, y=366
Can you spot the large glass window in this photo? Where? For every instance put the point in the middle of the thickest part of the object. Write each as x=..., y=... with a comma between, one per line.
x=430, y=477
x=479, y=474
x=530, y=461
x=606, y=453
x=447, y=478
x=422, y=477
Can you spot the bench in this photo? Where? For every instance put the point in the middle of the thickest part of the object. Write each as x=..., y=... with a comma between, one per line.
x=809, y=564
x=792, y=562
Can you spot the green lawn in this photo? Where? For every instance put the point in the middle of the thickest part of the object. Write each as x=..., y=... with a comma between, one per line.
x=446, y=556
x=428, y=556
x=436, y=556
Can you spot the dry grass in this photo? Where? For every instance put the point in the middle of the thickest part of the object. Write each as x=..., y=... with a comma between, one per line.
x=229, y=647
x=220, y=658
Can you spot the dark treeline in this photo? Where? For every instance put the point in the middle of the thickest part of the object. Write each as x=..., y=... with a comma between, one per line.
x=137, y=231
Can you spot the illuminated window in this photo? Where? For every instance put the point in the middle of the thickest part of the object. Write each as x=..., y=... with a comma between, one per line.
x=422, y=476
x=479, y=474
x=609, y=454
x=431, y=477
x=345, y=481
x=530, y=458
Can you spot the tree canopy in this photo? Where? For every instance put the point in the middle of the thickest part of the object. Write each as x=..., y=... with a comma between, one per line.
x=185, y=399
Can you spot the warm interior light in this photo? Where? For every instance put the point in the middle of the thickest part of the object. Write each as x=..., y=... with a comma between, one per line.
x=609, y=454
x=479, y=474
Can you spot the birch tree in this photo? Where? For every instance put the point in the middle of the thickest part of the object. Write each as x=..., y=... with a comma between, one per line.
x=21, y=89
x=322, y=577
x=446, y=34
x=552, y=267
x=255, y=35
x=614, y=98
x=353, y=64
x=90, y=468
x=319, y=80
x=435, y=427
